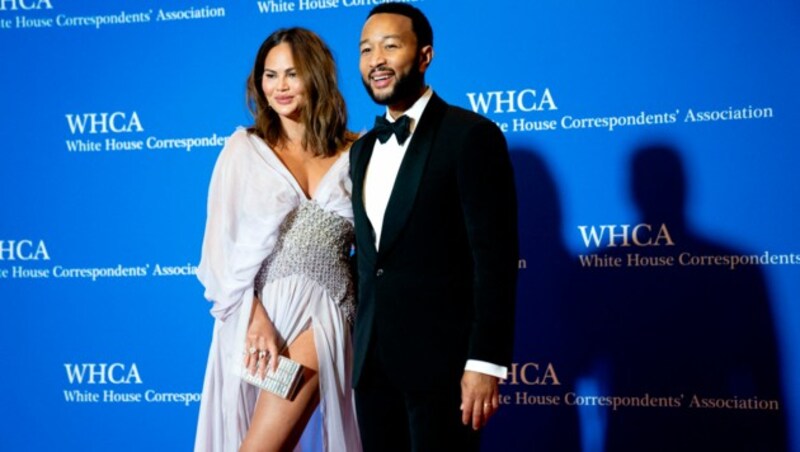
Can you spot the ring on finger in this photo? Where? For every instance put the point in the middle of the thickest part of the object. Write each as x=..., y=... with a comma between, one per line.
x=251, y=350
x=262, y=354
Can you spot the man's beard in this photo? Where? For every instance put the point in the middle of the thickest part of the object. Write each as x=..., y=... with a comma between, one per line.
x=405, y=87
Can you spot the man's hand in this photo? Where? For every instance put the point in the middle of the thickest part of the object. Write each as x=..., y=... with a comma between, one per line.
x=479, y=398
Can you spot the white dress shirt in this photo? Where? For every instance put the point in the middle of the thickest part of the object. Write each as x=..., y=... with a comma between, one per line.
x=379, y=181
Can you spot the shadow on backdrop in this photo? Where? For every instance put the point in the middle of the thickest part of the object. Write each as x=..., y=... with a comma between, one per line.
x=684, y=336
x=528, y=423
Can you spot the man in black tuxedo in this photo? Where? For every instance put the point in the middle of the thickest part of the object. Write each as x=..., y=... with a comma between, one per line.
x=436, y=238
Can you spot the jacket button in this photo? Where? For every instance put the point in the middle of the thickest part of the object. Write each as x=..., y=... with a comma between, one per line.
x=379, y=273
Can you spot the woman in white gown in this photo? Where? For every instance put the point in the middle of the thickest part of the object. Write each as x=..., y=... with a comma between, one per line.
x=275, y=257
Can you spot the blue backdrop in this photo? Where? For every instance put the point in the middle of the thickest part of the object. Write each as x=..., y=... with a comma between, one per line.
x=655, y=164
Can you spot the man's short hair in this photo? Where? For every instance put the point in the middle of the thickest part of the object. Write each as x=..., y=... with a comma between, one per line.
x=419, y=23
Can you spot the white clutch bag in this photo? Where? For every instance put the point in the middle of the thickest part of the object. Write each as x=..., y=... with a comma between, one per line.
x=282, y=382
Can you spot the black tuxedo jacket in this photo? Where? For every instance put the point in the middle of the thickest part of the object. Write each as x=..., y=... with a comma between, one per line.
x=440, y=289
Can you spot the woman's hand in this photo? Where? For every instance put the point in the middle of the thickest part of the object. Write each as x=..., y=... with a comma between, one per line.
x=261, y=344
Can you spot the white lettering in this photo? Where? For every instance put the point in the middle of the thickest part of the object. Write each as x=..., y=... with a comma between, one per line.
x=26, y=5
x=102, y=373
x=510, y=101
x=93, y=123
x=23, y=250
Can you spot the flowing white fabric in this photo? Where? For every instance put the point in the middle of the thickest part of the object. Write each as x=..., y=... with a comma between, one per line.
x=250, y=195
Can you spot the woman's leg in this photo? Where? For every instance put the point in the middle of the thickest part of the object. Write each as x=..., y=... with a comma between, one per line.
x=277, y=424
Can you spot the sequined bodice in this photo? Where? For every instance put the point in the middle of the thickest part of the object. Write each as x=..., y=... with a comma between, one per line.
x=314, y=243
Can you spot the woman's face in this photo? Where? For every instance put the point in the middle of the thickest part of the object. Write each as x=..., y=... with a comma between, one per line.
x=282, y=86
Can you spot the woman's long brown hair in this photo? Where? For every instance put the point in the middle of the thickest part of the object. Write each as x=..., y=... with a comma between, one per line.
x=325, y=114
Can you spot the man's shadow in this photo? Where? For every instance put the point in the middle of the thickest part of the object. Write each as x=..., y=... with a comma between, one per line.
x=688, y=329
x=545, y=269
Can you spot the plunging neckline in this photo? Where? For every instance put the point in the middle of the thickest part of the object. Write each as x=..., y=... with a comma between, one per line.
x=291, y=177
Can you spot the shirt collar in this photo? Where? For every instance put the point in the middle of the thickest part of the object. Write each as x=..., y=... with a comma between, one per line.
x=415, y=112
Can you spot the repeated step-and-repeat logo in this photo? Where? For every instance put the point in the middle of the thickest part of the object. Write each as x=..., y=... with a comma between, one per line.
x=116, y=382
x=530, y=109
x=124, y=131
x=616, y=245
x=295, y=6
x=31, y=259
x=534, y=384
x=48, y=14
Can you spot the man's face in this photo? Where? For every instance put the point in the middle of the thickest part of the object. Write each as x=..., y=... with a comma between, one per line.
x=391, y=66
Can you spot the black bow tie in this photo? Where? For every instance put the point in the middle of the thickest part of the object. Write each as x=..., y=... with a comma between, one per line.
x=401, y=128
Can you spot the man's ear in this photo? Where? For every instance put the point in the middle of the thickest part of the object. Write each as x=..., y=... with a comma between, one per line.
x=425, y=58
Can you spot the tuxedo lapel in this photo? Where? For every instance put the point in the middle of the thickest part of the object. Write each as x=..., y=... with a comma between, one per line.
x=363, y=152
x=410, y=174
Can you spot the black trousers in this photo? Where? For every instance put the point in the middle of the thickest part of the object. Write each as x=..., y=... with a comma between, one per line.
x=391, y=419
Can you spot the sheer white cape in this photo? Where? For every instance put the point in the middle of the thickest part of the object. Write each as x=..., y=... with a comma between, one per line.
x=250, y=194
